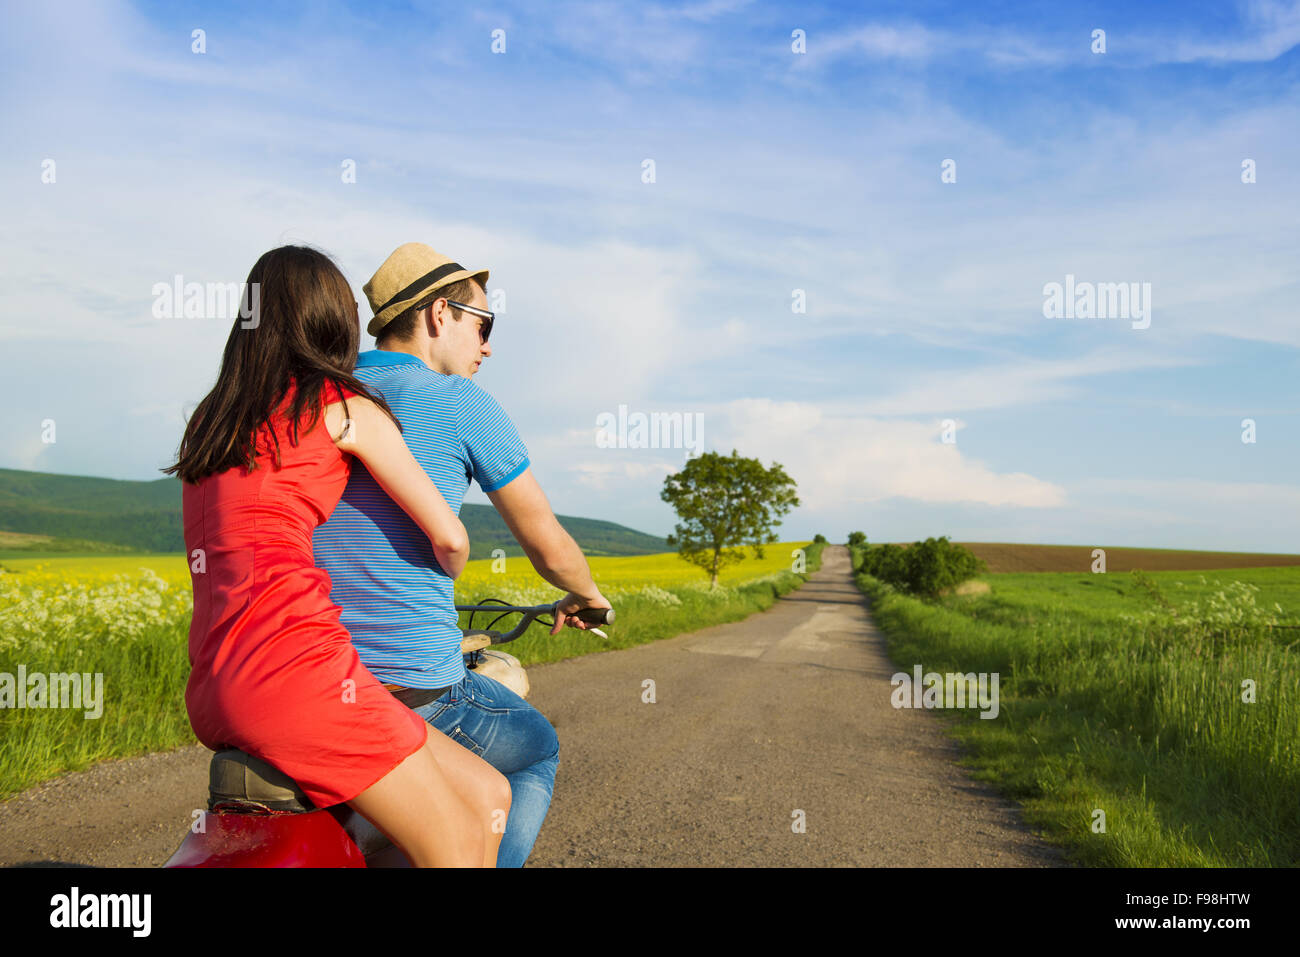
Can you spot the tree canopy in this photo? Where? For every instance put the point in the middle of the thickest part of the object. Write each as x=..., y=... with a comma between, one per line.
x=725, y=502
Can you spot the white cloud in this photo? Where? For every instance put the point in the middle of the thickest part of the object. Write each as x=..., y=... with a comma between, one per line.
x=1206, y=497
x=841, y=460
x=1272, y=28
x=1267, y=29
x=918, y=43
x=909, y=41
x=31, y=452
x=702, y=12
x=605, y=475
x=1025, y=382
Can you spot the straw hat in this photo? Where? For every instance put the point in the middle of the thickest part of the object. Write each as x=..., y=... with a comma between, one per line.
x=408, y=275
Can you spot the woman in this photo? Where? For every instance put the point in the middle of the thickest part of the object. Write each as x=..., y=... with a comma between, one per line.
x=264, y=461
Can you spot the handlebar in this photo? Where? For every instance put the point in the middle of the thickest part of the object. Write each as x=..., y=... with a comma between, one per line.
x=590, y=616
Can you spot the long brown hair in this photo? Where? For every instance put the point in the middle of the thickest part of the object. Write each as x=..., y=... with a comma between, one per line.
x=304, y=329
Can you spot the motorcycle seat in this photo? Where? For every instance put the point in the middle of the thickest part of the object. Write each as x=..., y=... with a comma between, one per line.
x=236, y=777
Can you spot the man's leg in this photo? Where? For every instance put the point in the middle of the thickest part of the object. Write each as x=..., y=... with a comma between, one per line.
x=515, y=738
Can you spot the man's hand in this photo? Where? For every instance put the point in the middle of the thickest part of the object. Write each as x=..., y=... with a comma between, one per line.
x=566, y=610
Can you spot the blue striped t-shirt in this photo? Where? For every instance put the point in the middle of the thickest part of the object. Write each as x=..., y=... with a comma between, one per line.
x=397, y=602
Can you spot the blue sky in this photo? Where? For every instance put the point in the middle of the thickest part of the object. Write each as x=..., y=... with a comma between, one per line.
x=774, y=171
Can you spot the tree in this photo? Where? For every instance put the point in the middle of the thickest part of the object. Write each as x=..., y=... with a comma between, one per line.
x=725, y=501
x=857, y=539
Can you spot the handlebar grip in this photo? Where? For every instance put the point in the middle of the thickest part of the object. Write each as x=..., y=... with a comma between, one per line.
x=597, y=616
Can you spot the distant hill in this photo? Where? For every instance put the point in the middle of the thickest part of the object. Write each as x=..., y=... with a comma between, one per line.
x=78, y=513
x=145, y=516
x=487, y=530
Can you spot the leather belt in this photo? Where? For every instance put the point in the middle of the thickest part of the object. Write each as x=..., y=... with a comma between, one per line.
x=417, y=697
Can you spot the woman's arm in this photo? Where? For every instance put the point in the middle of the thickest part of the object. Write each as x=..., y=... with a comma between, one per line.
x=371, y=436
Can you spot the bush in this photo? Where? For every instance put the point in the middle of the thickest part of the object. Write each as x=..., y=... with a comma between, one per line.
x=923, y=568
x=857, y=539
x=819, y=538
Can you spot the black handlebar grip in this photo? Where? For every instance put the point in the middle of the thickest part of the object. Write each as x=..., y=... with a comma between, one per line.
x=597, y=616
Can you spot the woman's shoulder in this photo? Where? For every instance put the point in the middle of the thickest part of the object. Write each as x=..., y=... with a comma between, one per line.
x=333, y=392
x=310, y=418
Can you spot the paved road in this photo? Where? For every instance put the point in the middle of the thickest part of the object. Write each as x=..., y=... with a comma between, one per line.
x=754, y=725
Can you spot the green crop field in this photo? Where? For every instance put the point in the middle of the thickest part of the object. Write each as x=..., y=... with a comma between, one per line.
x=1169, y=702
x=127, y=617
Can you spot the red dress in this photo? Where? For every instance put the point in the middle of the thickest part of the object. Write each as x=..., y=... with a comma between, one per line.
x=273, y=672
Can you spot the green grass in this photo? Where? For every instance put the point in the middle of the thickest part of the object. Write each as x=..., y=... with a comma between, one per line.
x=1127, y=698
x=143, y=707
x=127, y=617
x=19, y=545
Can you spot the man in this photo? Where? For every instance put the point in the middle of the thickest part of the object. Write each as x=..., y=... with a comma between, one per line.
x=431, y=325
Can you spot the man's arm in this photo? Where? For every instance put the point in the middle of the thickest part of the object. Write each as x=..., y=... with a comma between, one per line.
x=551, y=549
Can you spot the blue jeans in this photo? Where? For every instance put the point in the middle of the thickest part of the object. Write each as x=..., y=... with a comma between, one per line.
x=512, y=736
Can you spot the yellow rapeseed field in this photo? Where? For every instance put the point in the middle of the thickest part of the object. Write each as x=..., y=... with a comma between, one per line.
x=117, y=597
x=656, y=577
x=101, y=599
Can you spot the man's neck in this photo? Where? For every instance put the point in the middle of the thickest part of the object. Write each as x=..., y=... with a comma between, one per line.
x=413, y=349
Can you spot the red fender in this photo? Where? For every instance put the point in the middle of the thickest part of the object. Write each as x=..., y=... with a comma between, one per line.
x=310, y=839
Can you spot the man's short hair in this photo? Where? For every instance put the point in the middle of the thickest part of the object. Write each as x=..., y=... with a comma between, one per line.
x=402, y=327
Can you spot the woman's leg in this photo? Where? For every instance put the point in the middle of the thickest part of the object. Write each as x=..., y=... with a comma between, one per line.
x=493, y=722
x=443, y=806
x=483, y=787
x=420, y=808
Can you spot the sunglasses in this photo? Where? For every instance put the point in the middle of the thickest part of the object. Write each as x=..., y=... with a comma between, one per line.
x=485, y=329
